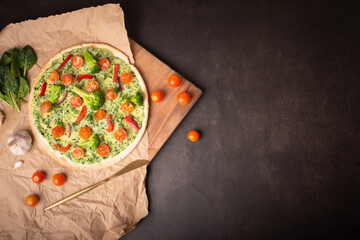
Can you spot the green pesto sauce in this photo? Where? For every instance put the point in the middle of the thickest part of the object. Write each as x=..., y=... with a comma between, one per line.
x=64, y=113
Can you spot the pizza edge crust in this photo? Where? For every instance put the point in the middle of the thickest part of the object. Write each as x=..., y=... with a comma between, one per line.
x=105, y=163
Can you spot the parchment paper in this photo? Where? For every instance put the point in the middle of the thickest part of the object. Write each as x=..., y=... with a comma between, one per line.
x=111, y=210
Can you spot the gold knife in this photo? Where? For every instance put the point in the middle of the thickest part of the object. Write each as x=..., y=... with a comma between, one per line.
x=131, y=166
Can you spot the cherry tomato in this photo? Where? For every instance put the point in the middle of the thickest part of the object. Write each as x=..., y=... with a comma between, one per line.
x=76, y=102
x=54, y=76
x=120, y=134
x=85, y=133
x=38, y=177
x=46, y=107
x=194, y=135
x=174, y=80
x=183, y=98
x=78, y=153
x=127, y=108
x=67, y=79
x=157, y=96
x=103, y=150
x=58, y=179
x=77, y=61
x=110, y=94
x=92, y=86
x=58, y=131
x=99, y=115
x=104, y=64
x=126, y=77
x=31, y=200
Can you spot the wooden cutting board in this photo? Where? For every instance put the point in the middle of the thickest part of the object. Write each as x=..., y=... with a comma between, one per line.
x=165, y=116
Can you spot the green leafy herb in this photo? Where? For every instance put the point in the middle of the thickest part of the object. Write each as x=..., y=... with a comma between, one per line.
x=13, y=85
x=26, y=58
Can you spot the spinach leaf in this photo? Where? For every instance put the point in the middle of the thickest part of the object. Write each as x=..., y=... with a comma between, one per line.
x=15, y=72
x=23, y=88
x=6, y=57
x=10, y=86
x=26, y=59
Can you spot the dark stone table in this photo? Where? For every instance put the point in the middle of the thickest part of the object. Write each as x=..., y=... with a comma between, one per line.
x=279, y=117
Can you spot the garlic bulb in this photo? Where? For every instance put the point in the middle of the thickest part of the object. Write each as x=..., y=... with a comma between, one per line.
x=20, y=142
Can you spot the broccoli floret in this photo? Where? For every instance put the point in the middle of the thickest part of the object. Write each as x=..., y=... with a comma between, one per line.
x=55, y=93
x=92, y=142
x=93, y=100
x=137, y=98
x=91, y=62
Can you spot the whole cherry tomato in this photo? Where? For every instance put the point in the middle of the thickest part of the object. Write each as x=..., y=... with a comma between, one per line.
x=174, y=80
x=38, y=177
x=183, y=98
x=31, y=200
x=194, y=135
x=58, y=179
x=157, y=96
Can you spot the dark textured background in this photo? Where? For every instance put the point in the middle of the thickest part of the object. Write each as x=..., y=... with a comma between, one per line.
x=279, y=117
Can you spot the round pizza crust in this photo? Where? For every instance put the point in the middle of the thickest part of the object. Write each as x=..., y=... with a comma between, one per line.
x=110, y=161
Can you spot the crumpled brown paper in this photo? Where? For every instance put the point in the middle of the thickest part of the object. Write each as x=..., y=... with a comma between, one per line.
x=111, y=210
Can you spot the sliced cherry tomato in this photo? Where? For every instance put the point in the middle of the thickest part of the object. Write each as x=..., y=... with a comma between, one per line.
x=67, y=79
x=31, y=200
x=116, y=69
x=46, y=107
x=174, y=80
x=43, y=89
x=78, y=153
x=110, y=94
x=92, y=86
x=120, y=134
x=65, y=61
x=157, y=96
x=85, y=133
x=76, y=102
x=85, y=76
x=104, y=64
x=193, y=135
x=58, y=131
x=132, y=123
x=110, y=127
x=54, y=76
x=126, y=77
x=77, y=61
x=127, y=108
x=183, y=98
x=58, y=179
x=81, y=115
x=38, y=177
x=99, y=115
x=62, y=149
x=103, y=150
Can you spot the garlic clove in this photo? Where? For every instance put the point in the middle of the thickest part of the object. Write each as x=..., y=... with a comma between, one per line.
x=18, y=164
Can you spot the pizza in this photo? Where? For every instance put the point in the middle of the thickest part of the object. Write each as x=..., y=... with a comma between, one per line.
x=88, y=106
